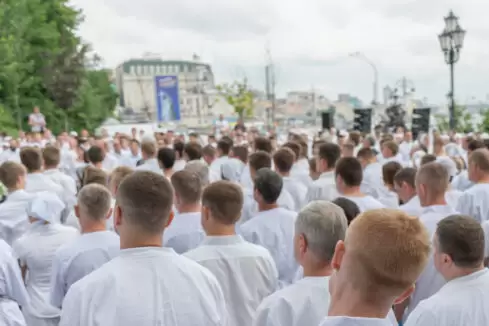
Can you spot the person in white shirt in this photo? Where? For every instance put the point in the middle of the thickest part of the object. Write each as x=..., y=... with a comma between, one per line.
x=92, y=249
x=166, y=159
x=36, y=250
x=300, y=168
x=431, y=186
x=224, y=146
x=146, y=284
x=405, y=187
x=283, y=160
x=390, y=152
x=133, y=156
x=319, y=226
x=349, y=175
x=475, y=200
x=51, y=159
x=459, y=257
x=13, y=216
x=246, y=272
x=180, y=162
x=383, y=254
x=273, y=226
x=185, y=232
x=200, y=169
x=37, y=120
x=148, y=153
x=324, y=188
x=13, y=294
x=372, y=181
x=390, y=199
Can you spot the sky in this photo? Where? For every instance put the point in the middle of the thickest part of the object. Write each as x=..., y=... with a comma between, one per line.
x=309, y=41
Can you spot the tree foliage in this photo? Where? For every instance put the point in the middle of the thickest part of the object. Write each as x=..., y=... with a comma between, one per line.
x=44, y=63
x=239, y=96
x=463, y=118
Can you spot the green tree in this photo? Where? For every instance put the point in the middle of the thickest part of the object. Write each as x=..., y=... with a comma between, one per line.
x=44, y=63
x=239, y=96
x=463, y=120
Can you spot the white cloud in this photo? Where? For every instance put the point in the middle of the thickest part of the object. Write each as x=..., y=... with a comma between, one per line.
x=310, y=40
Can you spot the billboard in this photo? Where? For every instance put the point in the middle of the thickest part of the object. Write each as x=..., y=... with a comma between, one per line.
x=167, y=98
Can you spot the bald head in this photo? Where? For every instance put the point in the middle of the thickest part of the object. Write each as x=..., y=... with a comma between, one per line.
x=385, y=252
x=145, y=200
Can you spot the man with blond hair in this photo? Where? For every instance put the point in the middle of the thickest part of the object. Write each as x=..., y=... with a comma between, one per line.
x=383, y=254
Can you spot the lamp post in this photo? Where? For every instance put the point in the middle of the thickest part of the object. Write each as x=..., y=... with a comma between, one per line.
x=362, y=57
x=451, y=42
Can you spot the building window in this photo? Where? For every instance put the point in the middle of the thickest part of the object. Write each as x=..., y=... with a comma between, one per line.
x=132, y=70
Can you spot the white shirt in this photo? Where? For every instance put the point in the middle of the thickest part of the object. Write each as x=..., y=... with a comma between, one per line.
x=462, y=301
x=412, y=207
x=12, y=290
x=36, y=250
x=324, y=188
x=179, y=165
x=65, y=181
x=274, y=229
x=475, y=202
x=372, y=183
x=150, y=165
x=389, y=199
x=246, y=273
x=215, y=167
x=355, y=321
x=79, y=258
x=184, y=233
x=146, y=287
x=297, y=191
x=365, y=203
x=305, y=302
x=430, y=280
x=13, y=215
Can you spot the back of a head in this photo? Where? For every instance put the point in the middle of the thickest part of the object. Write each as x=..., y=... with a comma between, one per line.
x=434, y=177
x=475, y=144
x=193, y=151
x=322, y=224
x=329, y=152
x=209, y=151
x=241, y=152
x=366, y=154
x=350, y=208
x=385, y=252
x=92, y=174
x=284, y=159
x=94, y=202
x=166, y=157
x=260, y=160
x=224, y=146
x=355, y=137
x=294, y=146
x=480, y=158
x=392, y=146
x=31, y=158
x=148, y=147
x=406, y=175
x=389, y=170
x=428, y=158
x=350, y=171
x=224, y=199
x=200, y=169
x=178, y=146
x=145, y=199
x=51, y=156
x=262, y=144
x=10, y=172
x=187, y=186
x=95, y=154
x=118, y=174
x=268, y=184
x=462, y=239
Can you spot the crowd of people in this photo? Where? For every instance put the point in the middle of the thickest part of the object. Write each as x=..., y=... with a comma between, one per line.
x=242, y=229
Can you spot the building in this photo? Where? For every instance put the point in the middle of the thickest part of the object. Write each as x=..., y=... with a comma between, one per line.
x=199, y=101
x=302, y=103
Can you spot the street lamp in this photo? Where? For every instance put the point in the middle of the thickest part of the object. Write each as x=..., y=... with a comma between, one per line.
x=451, y=42
x=362, y=57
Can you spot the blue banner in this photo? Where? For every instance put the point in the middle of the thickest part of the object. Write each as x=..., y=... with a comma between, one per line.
x=167, y=98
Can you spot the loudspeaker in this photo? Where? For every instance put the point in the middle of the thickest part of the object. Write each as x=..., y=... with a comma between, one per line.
x=327, y=121
x=421, y=121
x=362, y=120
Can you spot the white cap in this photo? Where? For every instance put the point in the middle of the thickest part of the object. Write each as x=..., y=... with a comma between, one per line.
x=46, y=206
x=448, y=164
x=73, y=133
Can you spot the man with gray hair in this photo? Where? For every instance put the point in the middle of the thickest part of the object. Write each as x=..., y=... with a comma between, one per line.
x=318, y=228
x=201, y=169
x=92, y=249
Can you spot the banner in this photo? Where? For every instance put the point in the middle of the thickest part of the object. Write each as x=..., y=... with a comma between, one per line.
x=167, y=98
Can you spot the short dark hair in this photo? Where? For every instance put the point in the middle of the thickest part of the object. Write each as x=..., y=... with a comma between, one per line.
x=329, y=152
x=428, y=158
x=224, y=146
x=284, y=159
x=31, y=158
x=145, y=199
x=259, y=160
x=263, y=144
x=389, y=170
x=366, y=154
x=166, y=157
x=294, y=146
x=349, y=207
x=209, y=150
x=178, y=147
x=193, y=151
x=225, y=201
x=350, y=171
x=51, y=156
x=269, y=184
x=407, y=175
x=462, y=238
x=475, y=144
x=240, y=152
x=95, y=154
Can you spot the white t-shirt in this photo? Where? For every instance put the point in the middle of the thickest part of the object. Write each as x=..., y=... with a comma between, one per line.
x=39, y=120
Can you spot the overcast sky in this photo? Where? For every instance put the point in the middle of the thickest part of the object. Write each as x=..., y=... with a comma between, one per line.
x=309, y=39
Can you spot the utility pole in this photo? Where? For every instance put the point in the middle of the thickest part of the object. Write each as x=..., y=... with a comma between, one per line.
x=270, y=82
x=314, y=106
